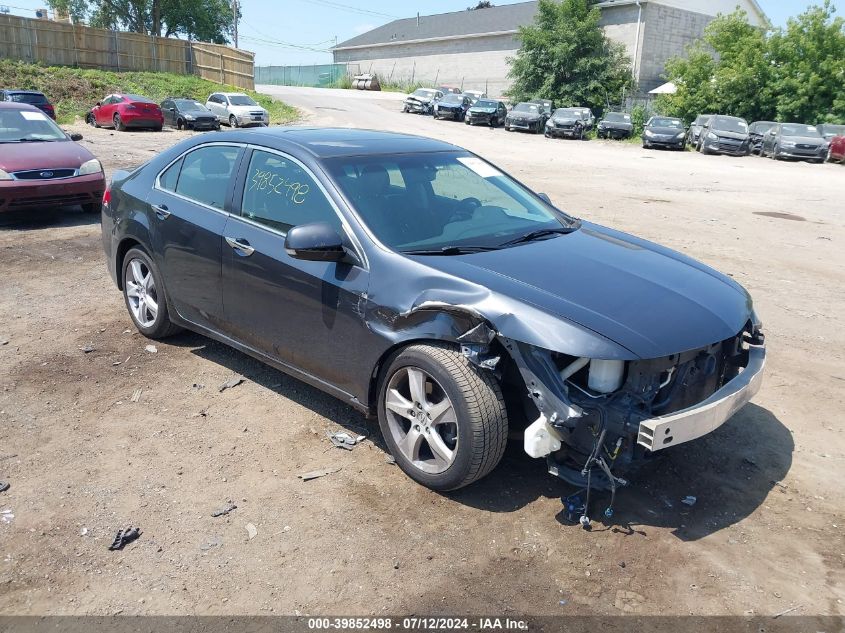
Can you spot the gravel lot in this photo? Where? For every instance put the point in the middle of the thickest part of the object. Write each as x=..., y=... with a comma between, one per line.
x=83, y=459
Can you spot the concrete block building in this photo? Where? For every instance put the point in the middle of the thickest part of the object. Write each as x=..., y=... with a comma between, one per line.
x=470, y=49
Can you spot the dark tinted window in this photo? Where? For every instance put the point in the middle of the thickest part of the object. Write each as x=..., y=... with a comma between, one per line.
x=170, y=176
x=661, y=122
x=138, y=98
x=618, y=116
x=280, y=194
x=798, y=129
x=206, y=174
x=25, y=97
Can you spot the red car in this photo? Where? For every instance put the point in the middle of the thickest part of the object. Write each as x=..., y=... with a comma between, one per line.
x=836, y=150
x=122, y=111
x=41, y=166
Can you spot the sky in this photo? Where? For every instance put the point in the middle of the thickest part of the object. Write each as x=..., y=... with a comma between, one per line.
x=288, y=32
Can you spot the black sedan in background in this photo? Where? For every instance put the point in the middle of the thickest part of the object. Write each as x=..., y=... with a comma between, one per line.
x=756, y=132
x=187, y=114
x=695, y=129
x=452, y=106
x=615, y=125
x=724, y=135
x=666, y=132
x=419, y=283
x=794, y=141
x=530, y=117
x=32, y=97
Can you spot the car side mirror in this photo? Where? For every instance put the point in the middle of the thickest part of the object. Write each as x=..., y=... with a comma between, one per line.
x=545, y=198
x=98, y=103
x=76, y=136
x=315, y=242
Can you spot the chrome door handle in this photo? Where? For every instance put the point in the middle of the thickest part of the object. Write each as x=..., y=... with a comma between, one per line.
x=161, y=211
x=240, y=245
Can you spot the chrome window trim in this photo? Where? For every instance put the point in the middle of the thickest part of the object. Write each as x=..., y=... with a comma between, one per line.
x=347, y=227
x=157, y=183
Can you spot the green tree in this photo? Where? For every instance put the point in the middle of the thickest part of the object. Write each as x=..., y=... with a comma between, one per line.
x=205, y=20
x=565, y=56
x=809, y=61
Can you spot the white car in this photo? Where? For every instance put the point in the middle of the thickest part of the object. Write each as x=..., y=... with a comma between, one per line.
x=237, y=109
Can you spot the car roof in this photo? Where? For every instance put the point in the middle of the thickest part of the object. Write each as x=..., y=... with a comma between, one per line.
x=335, y=142
x=22, y=92
x=15, y=105
x=231, y=94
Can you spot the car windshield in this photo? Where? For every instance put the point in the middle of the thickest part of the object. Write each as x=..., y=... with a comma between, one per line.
x=422, y=92
x=568, y=112
x=527, y=107
x=441, y=200
x=452, y=98
x=703, y=119
x=485, y=104
x=138, y=99
x=186, y=105
x=618, y=117
x=28, y=97
x=761, y=127
x=730, y=124
x=797, y=129
x=22, y=126
x=241, y=100
x=661, y=122
x=834, y=130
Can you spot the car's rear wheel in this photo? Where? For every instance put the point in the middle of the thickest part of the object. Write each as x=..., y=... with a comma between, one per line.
x=180, y=124
x=443, y=418
x=233, y=121
x=146, y=300
x=118, y=123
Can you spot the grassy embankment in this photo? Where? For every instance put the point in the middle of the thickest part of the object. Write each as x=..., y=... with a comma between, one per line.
x=74, y=90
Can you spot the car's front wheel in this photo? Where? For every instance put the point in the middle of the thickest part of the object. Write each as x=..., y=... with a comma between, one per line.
x=233, y=121
x=443, y=418
x=143, y=291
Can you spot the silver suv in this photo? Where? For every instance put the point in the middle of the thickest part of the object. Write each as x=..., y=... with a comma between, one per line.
x=237, y=109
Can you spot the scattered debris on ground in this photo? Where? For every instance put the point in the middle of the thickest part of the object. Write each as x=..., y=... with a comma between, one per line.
x=224, y=510
x=124, y=537
x=789, y=610
x=316, y=474
x=6, y=515
x=234, y=381
x=4, y=486
x=136, y=395
x=86, y=349
x=152, y=349
x=344, y=440
x=251, y=531
x=390, y=459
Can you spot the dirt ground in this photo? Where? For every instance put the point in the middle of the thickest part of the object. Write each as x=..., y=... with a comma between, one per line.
x=83, y=459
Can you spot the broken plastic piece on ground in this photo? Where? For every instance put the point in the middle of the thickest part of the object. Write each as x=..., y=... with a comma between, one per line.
x=390, y=459
x=136, y=395
x=87, y=349
x=234, y=381
x=689, y=500
x=316, y=474
x=6, y=515
x=251, y=531
x=224, y=510
x=152, y=349
x=343, y=440
x=4, y=486
x=124, y=537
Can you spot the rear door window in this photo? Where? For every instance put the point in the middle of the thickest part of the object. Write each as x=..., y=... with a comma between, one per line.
x=206, y=174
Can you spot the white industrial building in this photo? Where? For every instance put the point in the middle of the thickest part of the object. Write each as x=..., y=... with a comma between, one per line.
x=471, y=48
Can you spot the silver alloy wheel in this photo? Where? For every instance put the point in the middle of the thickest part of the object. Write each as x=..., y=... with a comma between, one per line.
x=141, y=293
x=422, y=420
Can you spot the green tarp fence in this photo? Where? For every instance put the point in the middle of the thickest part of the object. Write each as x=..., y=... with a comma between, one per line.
x=313, y=75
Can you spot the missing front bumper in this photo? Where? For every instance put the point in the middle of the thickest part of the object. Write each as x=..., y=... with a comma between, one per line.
x=689, y=424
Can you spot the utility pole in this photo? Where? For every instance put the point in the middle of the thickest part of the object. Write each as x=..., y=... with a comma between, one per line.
x=235, y=16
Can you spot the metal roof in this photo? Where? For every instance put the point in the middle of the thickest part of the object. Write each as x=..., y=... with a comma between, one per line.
x=500, y=19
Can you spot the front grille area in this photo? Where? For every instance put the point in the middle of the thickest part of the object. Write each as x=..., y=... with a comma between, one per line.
x=78, y=198
x=806, y=147
x=44, y=174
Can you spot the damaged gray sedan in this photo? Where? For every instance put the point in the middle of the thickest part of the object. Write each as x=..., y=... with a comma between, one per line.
x=423, y=285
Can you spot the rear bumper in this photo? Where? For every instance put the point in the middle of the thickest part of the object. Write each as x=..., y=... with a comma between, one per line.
x=15, y=195
x=705, y=417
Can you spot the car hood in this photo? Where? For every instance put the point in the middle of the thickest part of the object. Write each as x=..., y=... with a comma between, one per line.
x=531, y=116
x=740, y=136
x=650, y=300
x=482, y=110
x=803, y=140
x=418, y=99
x=618, y=125
x=665, y=130
x=48, y=155
x=237, y=109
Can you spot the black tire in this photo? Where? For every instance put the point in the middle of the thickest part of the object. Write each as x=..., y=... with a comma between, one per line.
x=92, y=207
x=118, y=123
x=233, y=121
x=90, y=120
x=158, y=128
x=180, y=124
x=161, y=327
x=482, y=423
x=494, y=122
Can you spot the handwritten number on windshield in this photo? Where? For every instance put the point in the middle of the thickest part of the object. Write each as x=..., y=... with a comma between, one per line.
x=271, y=183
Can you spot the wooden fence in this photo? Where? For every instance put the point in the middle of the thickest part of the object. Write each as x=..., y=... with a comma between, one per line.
x=63, y=44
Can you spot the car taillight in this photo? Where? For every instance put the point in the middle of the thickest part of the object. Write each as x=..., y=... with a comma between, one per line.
x=107, y=196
